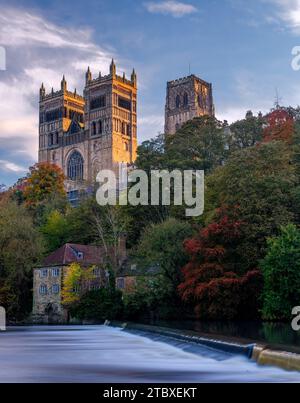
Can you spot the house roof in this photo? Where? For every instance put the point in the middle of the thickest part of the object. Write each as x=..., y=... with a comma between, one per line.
x=74, y=253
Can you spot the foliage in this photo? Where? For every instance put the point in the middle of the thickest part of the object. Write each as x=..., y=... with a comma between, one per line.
x=99, y=305
x=162, y=245
x=281, y=271
x=152, y=298
x=75, y=284
x=213, y=281
x=263, y=182
x=246, y=133
x=280, y=126
x=199, y=144
x=21, y=248
x=56, y=230
x=44, y=179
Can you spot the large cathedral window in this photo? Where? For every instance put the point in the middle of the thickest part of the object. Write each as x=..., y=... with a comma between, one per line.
x=178, y=101
x=75, y=166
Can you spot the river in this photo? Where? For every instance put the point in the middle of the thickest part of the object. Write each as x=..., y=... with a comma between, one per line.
x=107, y=355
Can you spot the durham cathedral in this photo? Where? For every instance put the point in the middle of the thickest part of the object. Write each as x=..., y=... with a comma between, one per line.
x=85, y=134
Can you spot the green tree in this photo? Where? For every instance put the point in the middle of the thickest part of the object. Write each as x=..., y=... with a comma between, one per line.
x=161, y=246
x=56, y=230
x=246, y=133
x=21, y=249
x=281, y=271
x=99, y=305
x=199, y=144
x=261, y=182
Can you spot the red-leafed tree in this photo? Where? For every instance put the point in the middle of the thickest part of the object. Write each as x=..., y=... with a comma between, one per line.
x=213, y=283
x=280, y=126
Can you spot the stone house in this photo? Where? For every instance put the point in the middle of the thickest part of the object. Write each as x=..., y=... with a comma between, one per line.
x=48, y=279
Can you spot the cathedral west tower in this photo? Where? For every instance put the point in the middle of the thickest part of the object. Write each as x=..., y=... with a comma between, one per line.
x=85, y=134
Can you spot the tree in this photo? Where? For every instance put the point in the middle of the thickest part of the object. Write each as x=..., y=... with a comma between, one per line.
x=56, y=230
x=246, y=133
x=199, y=144
x=214, y=283
x=21, y=249
x=162, y=245
x=280, y=126
x=160, y=248
x=76, y=284
x=44, y=179
x=263, y=182
x=281, y=271
x=99, y=305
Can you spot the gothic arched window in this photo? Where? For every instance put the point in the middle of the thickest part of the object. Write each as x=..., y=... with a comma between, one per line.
x=75, y=166
x=94, y=128
x=185, y=99
x=178, y=101
x=100, y=127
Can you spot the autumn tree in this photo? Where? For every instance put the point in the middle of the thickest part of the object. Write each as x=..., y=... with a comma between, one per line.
x=43, y=180
x=76, y=283
x=214, y=283
x=280, y=126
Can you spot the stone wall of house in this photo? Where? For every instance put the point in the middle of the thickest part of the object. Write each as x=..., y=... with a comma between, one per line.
x=47, y=287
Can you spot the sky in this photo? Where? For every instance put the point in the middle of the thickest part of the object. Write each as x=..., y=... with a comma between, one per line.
x=244, y=50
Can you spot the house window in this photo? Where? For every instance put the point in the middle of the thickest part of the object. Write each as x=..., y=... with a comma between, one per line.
x=121, y=283
x=75, y=166
x=80, y=255
x=55, y=289
x=44, y=273
x=55, y=272
x=43, y=289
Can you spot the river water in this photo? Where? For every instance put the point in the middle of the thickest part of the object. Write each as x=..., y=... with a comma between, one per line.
x=107, y=355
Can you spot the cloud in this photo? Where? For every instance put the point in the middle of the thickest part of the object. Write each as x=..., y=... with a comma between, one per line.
x=288, y=12
x=10, y=166
x=171, y=7
x=37, y=51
